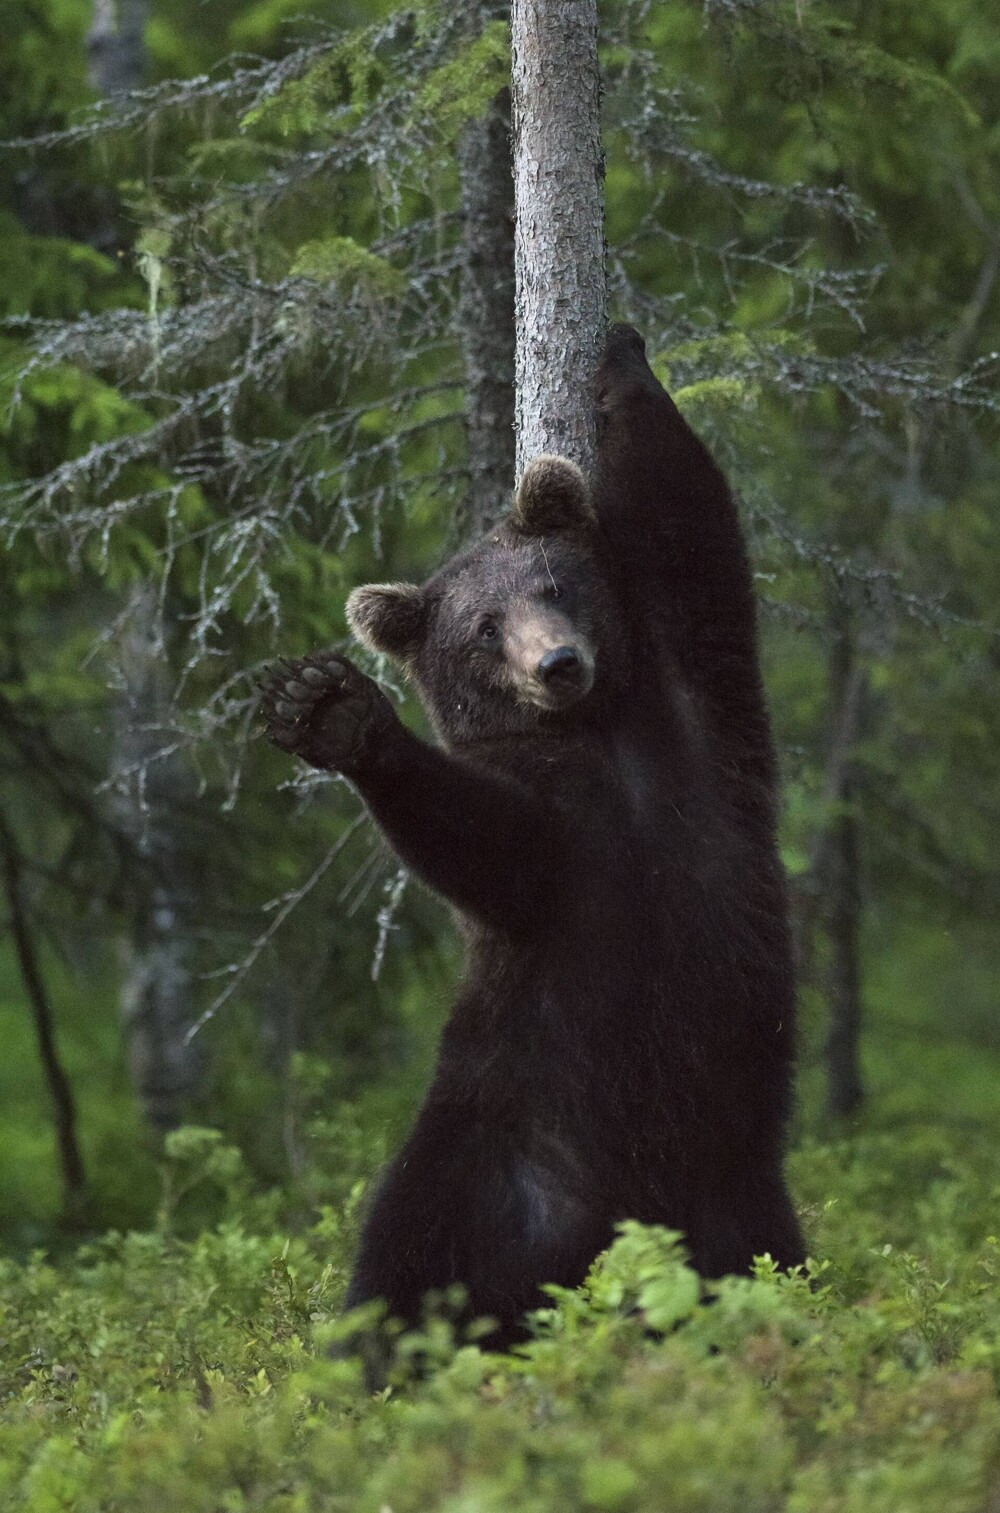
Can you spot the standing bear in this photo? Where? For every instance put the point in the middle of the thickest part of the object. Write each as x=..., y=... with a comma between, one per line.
x=600, y=812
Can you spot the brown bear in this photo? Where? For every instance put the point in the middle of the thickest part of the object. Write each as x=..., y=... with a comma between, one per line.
x=600, y=812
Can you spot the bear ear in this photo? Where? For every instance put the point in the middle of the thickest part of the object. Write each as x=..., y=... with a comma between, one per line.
x=552, y=496
x=389, y=618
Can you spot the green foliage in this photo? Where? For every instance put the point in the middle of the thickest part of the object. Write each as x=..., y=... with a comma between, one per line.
x=42, y=63
x=342, y=261
x=717, y=397
x=645, y=1269
x=123, y=1182
x=333, y=93
x=149, y=1370
x=52, y=277
x=462, y=88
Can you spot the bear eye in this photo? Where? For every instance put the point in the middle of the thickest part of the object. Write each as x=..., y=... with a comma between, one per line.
x=488, y=630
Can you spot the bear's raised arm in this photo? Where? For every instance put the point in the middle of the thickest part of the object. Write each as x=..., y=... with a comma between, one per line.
x=477, y=837
x=668, y=514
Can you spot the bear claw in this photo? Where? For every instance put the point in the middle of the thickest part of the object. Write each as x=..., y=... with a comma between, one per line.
x=314, y=676
x=322, y=709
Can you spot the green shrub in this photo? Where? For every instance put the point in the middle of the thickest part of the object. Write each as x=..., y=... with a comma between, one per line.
x=166, y=1371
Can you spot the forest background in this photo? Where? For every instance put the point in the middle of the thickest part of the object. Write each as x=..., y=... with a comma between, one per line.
x=258, y=348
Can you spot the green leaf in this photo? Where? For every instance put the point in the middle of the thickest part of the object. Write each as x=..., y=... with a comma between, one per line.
x=343, y=261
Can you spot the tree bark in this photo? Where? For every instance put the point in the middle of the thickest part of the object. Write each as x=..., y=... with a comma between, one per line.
x=559, y=226
x=840, y=879
x=63, y=1104
x=157, y=995
x=845, y=1088
x=116, y=52
x=486, y=304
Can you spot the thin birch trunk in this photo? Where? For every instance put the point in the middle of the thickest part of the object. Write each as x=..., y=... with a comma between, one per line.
x=157, y=994
x=116, y=49
x=843, y=718
x=840, y=878
x=559, y=226
x=486, y=305
x=845, y=1088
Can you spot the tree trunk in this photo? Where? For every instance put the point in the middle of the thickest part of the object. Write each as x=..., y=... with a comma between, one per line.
x=840, y=879
x=845, y=1089
x=486, y=305
x=559, y=226
x=116, y=52
x=157, y=996
x=63, y=1104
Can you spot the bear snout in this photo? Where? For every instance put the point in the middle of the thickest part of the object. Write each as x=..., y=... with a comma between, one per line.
x=558, y=665
x=550, y=661
x=563, y=675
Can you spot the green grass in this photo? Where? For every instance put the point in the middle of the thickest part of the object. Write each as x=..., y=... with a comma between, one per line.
x=184, y=1370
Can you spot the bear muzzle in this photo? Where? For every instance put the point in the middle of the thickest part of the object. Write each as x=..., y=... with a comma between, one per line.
x=565, y=683
x=565, y=676
x=550, y=661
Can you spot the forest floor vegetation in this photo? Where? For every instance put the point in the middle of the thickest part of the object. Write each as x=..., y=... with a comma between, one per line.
x=185, y=1368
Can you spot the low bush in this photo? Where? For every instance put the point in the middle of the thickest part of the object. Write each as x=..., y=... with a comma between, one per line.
x=163, y=1372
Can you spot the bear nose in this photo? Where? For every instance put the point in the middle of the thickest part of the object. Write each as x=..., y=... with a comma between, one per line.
x=561, y=662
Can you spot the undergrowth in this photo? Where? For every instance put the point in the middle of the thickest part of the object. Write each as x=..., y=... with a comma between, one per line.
x=161, y=1371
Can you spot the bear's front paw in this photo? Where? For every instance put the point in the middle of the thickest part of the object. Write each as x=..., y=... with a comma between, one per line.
x=324, y=710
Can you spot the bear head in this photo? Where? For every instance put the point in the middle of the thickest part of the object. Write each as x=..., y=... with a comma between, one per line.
x=520, y=631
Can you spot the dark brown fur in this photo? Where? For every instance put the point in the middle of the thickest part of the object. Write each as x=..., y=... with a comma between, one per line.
x=621, y=1044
